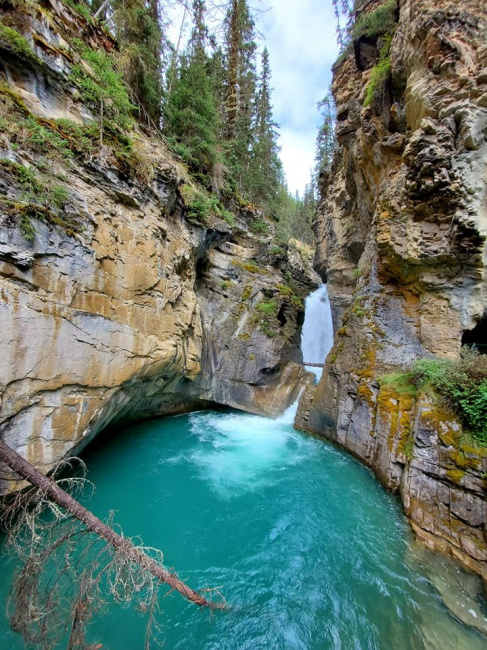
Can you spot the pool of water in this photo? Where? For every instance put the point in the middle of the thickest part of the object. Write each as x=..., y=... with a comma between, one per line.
x=307, y=548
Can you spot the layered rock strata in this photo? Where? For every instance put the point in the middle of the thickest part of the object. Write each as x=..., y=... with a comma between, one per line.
x=402, y=244
x=134, y=310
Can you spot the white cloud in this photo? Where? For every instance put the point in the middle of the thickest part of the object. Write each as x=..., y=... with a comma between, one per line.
x=301, y=39
x=297, y=155
x=302, y=44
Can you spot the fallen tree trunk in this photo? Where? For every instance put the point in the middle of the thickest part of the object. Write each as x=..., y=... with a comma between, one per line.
x=121, y=544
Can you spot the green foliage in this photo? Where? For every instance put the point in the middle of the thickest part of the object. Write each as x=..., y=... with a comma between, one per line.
x=80, y=8
x=38, y=198
x=199, y=205
x=462, y=385
x=224, y=285
x=260, y=226
x=378, y=22
x=266, y=316
x=104, y=90
x=192, y=121
x=18, y=43
x=403, y=383
x=229, y=217
x=379, y=77
x=139, y=31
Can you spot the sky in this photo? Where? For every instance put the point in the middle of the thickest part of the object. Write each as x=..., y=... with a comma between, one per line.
x=300, y=37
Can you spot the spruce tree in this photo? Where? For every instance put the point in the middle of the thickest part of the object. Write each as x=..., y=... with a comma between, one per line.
x=325, y=140
x=266, y=168
x=240, y=54
x=191, y=114
x=140, y=36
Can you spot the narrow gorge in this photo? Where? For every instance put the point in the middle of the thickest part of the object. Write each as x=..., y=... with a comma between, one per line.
x=146, y=275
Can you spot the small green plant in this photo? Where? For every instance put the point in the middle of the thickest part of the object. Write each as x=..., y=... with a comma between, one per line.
x=268, y=307
x=402, y=382
x=276, y=250
x=266, y=316
x=462, y=385
x=247, y=292
x=224, y=285
x=259, y=226
x=229, y=217
x=18, y=44
x=378, y=80
x=382, y=20
x=104, y=89
x=80, y=8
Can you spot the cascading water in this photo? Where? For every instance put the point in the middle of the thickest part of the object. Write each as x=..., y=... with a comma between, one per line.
x=317, y=334
x=308, y=549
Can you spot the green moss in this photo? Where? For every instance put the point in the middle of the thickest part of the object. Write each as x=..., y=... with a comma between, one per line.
x=378, y=80
x=455, y=476
x=249, y=267
x=18, y=44
x=266, y=316
x=402, y=382
x=224, y=285
x=247, y=292
x=287, y=291
x=80, y=8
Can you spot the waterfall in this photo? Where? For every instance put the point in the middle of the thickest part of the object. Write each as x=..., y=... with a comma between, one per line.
x=317, y=334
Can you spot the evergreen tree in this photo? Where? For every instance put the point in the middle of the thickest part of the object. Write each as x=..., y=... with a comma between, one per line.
x=191, y=115
x=240, y=54
x=140, y=36
x=325, y=140
x=266, y=168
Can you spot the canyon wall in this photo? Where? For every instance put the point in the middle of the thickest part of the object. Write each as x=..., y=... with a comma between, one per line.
x=402, y=244
x=117, y=303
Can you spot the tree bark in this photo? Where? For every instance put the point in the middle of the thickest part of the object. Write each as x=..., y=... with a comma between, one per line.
x=121, y=544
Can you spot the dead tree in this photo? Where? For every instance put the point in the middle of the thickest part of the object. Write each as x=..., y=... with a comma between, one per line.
x=119, y=565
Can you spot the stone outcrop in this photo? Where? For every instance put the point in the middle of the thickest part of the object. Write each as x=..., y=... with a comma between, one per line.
x=402, y=243
x=128, y=309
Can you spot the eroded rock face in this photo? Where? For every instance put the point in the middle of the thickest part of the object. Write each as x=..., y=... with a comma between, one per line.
x=402, y=242
x=132, y=313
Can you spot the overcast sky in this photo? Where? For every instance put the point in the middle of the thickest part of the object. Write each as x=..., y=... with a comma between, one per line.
x=300, y=36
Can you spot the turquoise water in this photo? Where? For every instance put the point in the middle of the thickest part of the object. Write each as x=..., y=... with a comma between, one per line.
x=305, y=545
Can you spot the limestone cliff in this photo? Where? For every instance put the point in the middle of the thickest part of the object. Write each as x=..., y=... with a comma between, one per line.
x=118, y=301
x=402, y=243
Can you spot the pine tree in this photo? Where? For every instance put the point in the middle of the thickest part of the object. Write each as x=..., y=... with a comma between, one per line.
x=140, y=37
x=191, y=115
x=266, y=168
x=325, y=140
x=240, y=54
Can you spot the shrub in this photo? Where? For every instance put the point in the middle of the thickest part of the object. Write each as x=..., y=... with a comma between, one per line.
x=105, y=86
x=378, y=22
x=379, y=77
x=462, y=385
x=260, y=226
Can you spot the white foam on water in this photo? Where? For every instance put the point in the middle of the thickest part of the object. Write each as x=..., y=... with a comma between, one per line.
x=239, y=452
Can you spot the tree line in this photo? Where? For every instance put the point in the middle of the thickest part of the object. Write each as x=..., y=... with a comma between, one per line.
x=210, y=95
